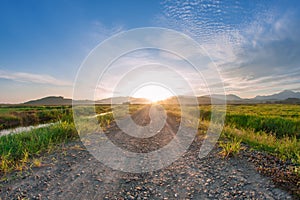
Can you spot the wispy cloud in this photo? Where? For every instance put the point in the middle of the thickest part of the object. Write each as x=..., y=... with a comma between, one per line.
x=33, y=78
x=100, y=32
x=268, y=57
x=255, y=45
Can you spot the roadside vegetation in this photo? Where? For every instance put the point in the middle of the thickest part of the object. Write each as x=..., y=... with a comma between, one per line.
x=271, y=128
x=12, y=117
x=18, y=150
x=230, y=147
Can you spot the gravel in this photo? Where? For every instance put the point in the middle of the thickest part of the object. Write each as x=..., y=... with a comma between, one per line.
x=77, y=175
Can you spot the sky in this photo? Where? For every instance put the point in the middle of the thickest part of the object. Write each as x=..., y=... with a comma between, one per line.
x=255, y=45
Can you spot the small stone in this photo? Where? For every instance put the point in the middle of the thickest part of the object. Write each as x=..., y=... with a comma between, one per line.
x=138, y=188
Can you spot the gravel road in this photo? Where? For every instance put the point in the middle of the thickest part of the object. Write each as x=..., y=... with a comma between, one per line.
x=73, y=173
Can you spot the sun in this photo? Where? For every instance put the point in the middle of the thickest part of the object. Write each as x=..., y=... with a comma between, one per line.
x=152, y=92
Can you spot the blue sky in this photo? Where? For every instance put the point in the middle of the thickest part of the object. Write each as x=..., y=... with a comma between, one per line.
x=255, y=44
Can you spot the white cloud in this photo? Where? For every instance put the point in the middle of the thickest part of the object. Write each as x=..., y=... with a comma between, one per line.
x=33, y=78
x=256, y=48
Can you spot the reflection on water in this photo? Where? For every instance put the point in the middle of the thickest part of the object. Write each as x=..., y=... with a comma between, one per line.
x=101, y=114
x=29, y=128
x=23, y=129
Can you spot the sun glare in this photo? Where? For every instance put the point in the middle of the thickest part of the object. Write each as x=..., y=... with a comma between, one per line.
x=153, y=93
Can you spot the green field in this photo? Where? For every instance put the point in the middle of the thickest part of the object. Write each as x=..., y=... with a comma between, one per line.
x=18, y=149
x=274, y=128
x=275, y=119
x=271, y=128
x=16, y=116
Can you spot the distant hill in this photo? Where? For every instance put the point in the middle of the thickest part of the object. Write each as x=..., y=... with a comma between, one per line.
x=58, y=100
x=286, y=97
x=121, y=100
x=280, y=96
x=229, y=97
x=289, y=101
x=185, y=100
x=49, y=101
x=55, y=101
x=189, y=100
x=139, y=100
x=116, y=100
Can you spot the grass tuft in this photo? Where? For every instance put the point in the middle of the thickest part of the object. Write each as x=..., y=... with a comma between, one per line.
x=37, y=162
x=230, y=148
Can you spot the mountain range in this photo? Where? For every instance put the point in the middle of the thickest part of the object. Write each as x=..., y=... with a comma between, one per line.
x=280, y=96
x=286, y=96
x=59, y=100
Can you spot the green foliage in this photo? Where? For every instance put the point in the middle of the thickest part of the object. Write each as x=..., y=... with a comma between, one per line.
x=15, y=150
x=105, y=120
x=272, y=128
x=230, y=147
x=102, y=108
x=278, y=126
x=285, y=148
x=268, y=127
x=11, y=117
x=279, y=120
x=8, y=121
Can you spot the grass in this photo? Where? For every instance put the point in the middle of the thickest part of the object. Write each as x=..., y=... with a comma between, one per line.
x=279, y=120
x=271, y=128
x=230, y=147
x=37, y=162
x=12, y=117
x=285, y=148
x=278, y=126
x=105, y=120
x=268, y=127
x=17, y=149
x=270, y=110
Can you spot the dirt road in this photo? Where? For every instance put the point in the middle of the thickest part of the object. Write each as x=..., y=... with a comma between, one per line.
x=73, y=173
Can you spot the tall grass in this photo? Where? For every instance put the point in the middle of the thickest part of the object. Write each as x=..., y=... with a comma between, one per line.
x=285, y=148
x=11, y=117
x=105, y=120
x=284, y=123
x=271, y=128
x=15, y=150
x=278, y=126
